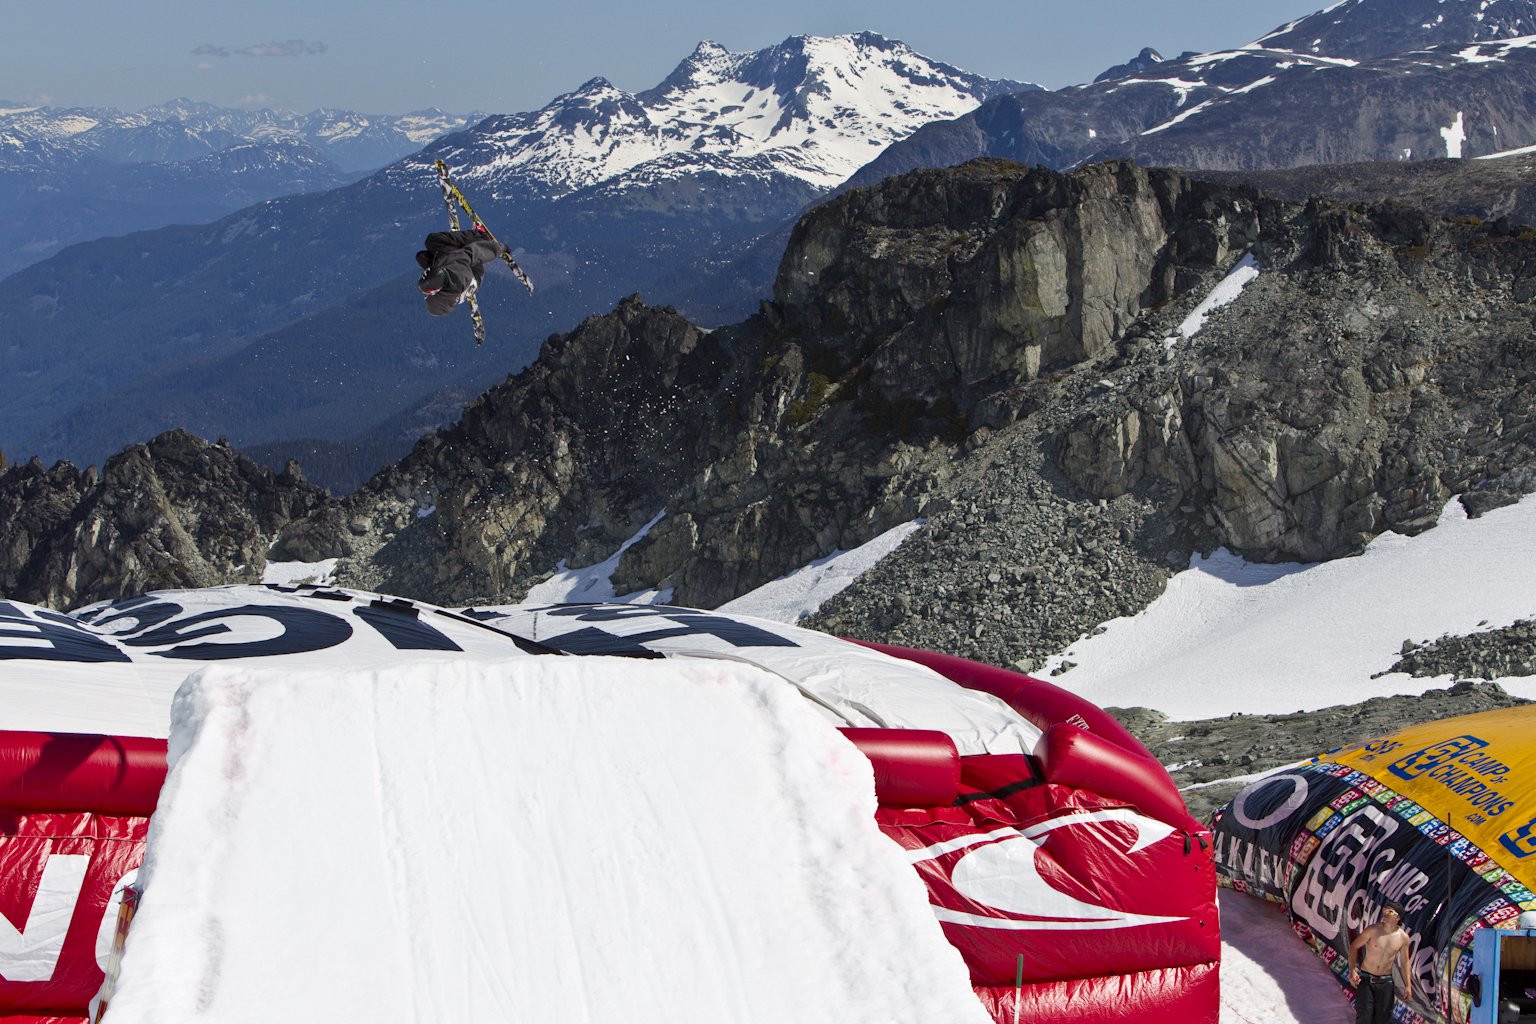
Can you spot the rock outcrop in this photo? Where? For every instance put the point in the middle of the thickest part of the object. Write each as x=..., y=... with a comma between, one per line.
x=995, y=348
x=176, y=512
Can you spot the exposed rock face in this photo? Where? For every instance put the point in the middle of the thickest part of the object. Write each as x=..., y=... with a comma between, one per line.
x=983, y=346
x=1205, y=752
x=176, y=512
x=1383, y=365
x=1493, y=654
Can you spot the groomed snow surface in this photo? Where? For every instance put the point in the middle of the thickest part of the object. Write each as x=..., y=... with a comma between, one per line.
x=422, y=845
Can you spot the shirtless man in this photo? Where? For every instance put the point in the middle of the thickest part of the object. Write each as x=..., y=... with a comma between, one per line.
x=1382, y=943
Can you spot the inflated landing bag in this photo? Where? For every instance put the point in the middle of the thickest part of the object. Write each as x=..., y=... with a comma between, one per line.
x=1083, y=746
x=1069, y=756
x=58, y=772
x=913, y=767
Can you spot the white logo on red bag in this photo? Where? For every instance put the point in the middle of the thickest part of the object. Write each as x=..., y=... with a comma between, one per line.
x=999, y=870
x=31, y=952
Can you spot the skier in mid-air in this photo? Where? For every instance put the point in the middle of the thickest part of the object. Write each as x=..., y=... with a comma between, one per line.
x=453, y=264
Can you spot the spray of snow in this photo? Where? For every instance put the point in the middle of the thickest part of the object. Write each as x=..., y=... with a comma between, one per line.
x=690, y=843
x=1233, y=636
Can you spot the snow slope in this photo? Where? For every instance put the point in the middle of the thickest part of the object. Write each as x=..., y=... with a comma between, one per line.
x=1233, y=636
x=410, y=869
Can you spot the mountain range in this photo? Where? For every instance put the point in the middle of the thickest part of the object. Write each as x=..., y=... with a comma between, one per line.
x=1031, y=363
x=686, y=191
x=75, y=174
x=599, y=191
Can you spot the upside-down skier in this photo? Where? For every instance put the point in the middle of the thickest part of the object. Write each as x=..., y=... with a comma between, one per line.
x=453, y=264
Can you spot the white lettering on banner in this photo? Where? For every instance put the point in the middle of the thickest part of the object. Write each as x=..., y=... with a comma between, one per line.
x=1285, y=810
x=31, y=953
x=1252, y=863
x=1342, y=865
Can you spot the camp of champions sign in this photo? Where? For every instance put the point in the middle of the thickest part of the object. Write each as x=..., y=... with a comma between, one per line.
x=1438, y=817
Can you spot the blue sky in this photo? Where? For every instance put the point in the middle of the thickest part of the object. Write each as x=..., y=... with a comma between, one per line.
x=390, y=56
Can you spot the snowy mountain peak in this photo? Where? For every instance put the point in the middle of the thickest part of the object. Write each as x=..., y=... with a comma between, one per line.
x=1367, y=29
x=1147, y=58
x=812, y=108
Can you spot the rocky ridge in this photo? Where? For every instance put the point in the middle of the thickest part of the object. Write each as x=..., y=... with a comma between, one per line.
x=988, y=347
x=995, y=348
x=1487, y=654
x=175, y=512
x=1209, y=759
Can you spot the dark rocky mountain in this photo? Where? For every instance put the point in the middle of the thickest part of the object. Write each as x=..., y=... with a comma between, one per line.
x=1347, y=84
x=1483, y=189
x=1366, y=29
x=602, y=192
x=177, y=511
x=985, y=346
x=1147, y=58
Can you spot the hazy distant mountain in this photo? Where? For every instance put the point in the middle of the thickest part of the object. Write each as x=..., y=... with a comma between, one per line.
x=182, y=130
x=601, y=191
x=72, y=175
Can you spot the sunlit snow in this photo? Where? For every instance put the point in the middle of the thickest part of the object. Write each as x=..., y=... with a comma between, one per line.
x=800, y=593
x=693, y=843
x=1454, y=135
x=595, y=582
x=1224, y=294
x=292, y=573
x=1234, y=636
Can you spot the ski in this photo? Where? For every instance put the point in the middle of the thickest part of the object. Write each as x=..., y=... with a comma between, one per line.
x=449, y=190
x=451, y=194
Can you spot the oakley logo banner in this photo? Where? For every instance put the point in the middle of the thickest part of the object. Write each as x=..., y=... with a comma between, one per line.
x=999, y=870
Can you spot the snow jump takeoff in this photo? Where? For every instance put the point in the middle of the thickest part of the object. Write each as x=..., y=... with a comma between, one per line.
x=453, y=262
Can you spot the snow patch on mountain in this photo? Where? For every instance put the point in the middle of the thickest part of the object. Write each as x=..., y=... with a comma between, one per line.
x=812, y=108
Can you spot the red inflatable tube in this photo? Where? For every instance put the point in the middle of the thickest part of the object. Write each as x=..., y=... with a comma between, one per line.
x=1069, y=756
x=1137, y=776
x=1036, y=700
x=1175, y=995
x=66, y=772
x=913, y=767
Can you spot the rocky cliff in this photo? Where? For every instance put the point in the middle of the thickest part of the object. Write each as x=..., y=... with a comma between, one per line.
x=176, y=512
x=995, y=348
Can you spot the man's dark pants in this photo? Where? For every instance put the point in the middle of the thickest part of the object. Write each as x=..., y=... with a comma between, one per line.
x=1374, y=999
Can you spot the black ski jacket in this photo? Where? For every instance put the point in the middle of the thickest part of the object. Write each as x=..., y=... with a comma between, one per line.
x=452, y=265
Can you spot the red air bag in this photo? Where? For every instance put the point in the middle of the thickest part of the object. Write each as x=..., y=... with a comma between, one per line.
x=1036, y=700
x=913, y=767
x=63, y=772
x=1071, y=757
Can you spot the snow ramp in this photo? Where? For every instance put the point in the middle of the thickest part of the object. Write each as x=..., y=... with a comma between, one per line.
x=545, y=839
